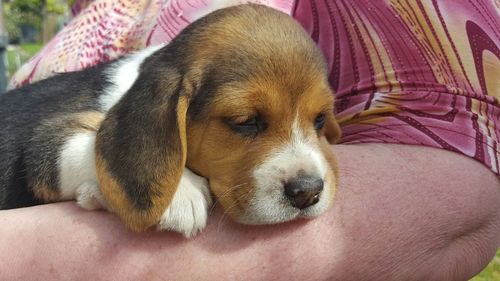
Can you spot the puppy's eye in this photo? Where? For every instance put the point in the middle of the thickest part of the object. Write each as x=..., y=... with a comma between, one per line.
x=247, y=126
x=319, y=121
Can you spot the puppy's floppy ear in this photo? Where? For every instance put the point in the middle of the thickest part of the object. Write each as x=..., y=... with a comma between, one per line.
x=141, y=148
x=333, y=132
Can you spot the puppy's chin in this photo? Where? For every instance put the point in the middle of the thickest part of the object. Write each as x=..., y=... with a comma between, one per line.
x=270, y=206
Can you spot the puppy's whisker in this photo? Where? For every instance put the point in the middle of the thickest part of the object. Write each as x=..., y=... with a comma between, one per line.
x=229, y=190
x=225, y=194
x=233, y=188
x=229, y=209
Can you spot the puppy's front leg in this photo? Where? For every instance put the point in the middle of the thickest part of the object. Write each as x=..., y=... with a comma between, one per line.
x=186, y=214
x=188, y=211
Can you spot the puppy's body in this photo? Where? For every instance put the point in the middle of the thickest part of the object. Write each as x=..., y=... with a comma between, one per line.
x=36, y=122
x=240, y=97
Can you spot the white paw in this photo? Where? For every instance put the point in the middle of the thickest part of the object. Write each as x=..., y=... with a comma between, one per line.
x=188, y=211
x=89, y=197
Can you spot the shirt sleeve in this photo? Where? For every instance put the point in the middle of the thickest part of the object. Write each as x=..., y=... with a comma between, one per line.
x=413, y=72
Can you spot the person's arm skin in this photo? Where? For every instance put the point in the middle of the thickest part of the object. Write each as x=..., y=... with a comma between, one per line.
x=401, y=213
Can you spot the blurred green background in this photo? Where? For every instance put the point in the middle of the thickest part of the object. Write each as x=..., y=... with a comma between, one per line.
x=492, y=272
x=26, y=25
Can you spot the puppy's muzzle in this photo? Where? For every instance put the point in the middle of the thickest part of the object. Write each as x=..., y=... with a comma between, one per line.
x=303, y=191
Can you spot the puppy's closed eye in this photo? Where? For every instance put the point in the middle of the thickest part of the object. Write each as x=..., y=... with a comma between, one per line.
x=247, y=126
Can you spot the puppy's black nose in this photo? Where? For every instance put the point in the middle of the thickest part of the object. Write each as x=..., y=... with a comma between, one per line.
x=303, y=191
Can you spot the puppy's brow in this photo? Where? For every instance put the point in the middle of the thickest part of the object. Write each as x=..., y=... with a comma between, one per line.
x=211, y=83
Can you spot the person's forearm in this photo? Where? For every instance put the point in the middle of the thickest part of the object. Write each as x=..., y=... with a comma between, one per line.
x=401, y=213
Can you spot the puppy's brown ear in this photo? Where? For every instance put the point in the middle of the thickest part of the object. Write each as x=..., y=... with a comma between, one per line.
x=333, y=132
x=141, y=149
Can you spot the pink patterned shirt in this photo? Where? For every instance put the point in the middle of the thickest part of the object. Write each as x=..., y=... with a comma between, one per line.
x=410, y=72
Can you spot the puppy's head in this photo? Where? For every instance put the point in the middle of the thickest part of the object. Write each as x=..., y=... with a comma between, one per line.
x=261, y=119
x=240, y=97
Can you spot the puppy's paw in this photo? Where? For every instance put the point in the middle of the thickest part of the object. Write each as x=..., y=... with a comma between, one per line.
x=188, y=211
x=89, y=197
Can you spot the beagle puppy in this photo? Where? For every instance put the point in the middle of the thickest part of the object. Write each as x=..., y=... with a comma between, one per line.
x=238, y=101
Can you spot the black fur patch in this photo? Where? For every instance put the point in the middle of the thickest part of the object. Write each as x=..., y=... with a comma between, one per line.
x=140, y=135
x=22, y=113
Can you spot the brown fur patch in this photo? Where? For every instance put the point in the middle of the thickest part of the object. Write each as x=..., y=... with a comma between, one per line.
x=45, y=193
x=333, y=132
x=117, y=200
x=89, y=120
x=133, y=218
x=333, y=174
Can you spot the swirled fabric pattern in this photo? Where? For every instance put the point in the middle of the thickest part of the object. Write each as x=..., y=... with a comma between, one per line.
x=404, y=71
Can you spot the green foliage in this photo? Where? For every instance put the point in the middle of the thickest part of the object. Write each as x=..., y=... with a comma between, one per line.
x=20, y=54
x=11, y=23
x=28, y=6
x=20, y=13
x=55, y=7
x=27, y=12
x=491, y=272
